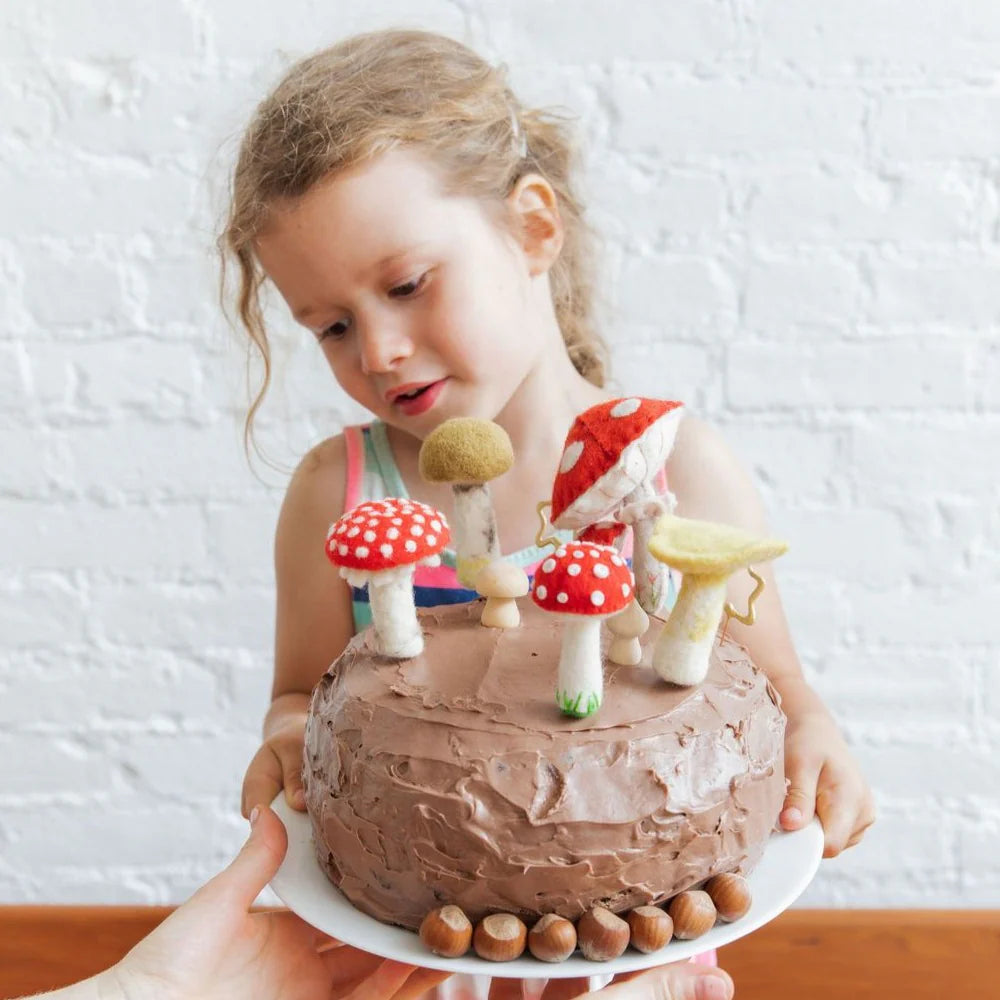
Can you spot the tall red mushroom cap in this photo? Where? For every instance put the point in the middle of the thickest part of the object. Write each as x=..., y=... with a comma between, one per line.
x=610, y=450
x=581, y=578
x=381, y=535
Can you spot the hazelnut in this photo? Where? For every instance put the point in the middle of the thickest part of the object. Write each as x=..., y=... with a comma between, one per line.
x=446, y=931
x=601, y=935
x=731, y=895
x=499, y=937
x=651, y=928
x=693, y=913
x=552, y=939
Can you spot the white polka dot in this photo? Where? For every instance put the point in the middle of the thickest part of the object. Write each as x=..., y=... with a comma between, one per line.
x=579, y=554
x=419, y=518
x=358, y=520
x=354, y=532
x=361, y=551
x=385, y=549
x=571, y=456
x=541, y=592
x=561, y=551
x=595, y=553
x=573, y=569
x=411, y=545
x=373, y=523
x=392, y=533
x=369, y=536
x=416, y=530
x=435, y=525
x=626, y=407
x=601, y=571
x=548, y=566
x=617, y=561
x=596, y=598
x=342, y=529
x=625, y=589
x=562, y=598
x=342, y=549
x=430, y=539
x=397, y=521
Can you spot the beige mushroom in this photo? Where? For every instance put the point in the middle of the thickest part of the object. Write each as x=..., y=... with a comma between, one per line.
x=501, y=582
x=707, y=554
x=627, y=627
x=467, y=453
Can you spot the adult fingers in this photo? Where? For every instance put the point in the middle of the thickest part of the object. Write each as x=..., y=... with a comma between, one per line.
x=683, y=981
x=385, y=981
x=255, y=865
x=800, y=799
x=566, y=989
x=505, y=989
x=419, y=982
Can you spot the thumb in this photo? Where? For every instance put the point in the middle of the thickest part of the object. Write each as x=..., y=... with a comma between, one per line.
x=256, y=864
x=800, y=799
x=682, y=981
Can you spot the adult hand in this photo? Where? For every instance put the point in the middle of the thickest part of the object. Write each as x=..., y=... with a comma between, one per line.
x=680, y=981
x=213, y=948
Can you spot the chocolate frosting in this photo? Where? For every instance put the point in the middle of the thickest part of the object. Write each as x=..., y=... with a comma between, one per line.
x=452, y=777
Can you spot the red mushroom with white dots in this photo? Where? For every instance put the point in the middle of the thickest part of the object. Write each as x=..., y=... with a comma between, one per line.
x=613, y=452
x=379, y=544
x=584, y=584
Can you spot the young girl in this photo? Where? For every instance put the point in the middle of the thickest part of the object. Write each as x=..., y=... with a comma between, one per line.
x=423, y=227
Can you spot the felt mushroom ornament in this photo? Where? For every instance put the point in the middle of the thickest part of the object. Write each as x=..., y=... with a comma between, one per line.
x=501, y=583
x=613, y=452
x=467, y=453
x=707, y=554
x=583, y=584
x=379, y=544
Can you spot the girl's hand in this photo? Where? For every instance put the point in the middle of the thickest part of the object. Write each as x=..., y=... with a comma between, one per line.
x=681, y=981
x=824, y=777
x=278, y=763
x=212, y=947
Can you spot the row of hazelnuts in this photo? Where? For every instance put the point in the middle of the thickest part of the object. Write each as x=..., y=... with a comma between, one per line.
x=599, y=933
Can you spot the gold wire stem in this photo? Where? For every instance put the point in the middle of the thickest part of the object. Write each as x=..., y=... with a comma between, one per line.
x=751, y=613
x=541, y=539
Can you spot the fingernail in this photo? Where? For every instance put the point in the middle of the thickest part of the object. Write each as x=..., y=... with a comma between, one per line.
x=712, y=988
x=299, y=797
x=791, y=816
x=254, y=813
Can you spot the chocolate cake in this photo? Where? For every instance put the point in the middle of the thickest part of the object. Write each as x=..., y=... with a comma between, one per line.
x=453, y=778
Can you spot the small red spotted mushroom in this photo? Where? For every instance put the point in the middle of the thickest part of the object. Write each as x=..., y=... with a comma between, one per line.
x=584, y=584
x=613, y=452
x=380, y=543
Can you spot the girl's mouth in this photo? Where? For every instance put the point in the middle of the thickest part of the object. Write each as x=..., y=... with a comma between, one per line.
x=419, y=399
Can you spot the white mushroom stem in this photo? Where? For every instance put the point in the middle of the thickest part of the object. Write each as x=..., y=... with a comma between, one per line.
x=681, y=652
x=642, y=508
x=394, y=615
x=580, y=683
x=473, y=530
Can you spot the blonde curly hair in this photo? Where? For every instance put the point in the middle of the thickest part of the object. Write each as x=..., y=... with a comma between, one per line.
x=373, y=92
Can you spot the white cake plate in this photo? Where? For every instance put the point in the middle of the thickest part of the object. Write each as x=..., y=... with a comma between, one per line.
x=787, y=867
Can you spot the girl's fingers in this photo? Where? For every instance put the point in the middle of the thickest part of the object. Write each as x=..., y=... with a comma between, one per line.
x=838, y=804
x=291, y=766
x=800, y=799
x=263, y=780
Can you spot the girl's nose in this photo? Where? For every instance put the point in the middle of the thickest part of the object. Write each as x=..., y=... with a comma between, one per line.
x=383, y=348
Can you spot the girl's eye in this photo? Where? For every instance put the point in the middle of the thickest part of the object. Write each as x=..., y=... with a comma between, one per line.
x=408, y=288
x=334, y=332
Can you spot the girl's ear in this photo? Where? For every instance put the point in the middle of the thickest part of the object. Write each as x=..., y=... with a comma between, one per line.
x=536, y=213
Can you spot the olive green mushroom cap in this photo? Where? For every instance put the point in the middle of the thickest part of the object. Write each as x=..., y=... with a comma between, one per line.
x=465, y=450
x=704, y=548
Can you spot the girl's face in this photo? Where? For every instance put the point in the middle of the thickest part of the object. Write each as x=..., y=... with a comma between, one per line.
x=424, y=307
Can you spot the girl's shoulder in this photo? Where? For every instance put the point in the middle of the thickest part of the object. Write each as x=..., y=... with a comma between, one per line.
x=315, y=492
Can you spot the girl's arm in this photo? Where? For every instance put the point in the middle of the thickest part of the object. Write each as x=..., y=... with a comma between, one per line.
x=313, y=621
x=711, y=485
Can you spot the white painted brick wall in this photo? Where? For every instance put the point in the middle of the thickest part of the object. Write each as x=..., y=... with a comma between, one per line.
x=802, y=210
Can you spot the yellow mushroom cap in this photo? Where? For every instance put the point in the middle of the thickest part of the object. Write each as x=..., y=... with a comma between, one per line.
x=704, y=548
x=465, y=450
